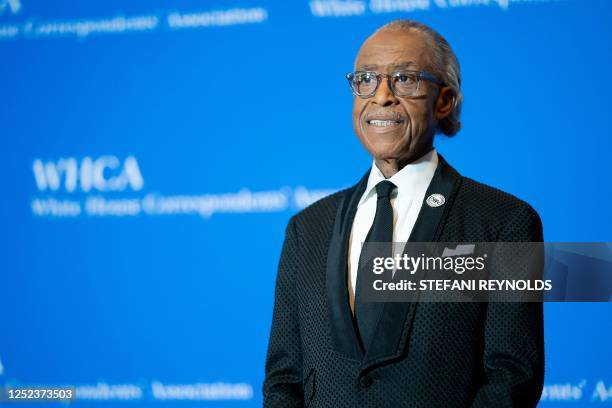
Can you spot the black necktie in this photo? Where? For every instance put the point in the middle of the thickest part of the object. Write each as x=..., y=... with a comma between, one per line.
x=367, y=313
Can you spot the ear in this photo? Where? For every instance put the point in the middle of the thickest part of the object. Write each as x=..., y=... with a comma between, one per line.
x=445, y=102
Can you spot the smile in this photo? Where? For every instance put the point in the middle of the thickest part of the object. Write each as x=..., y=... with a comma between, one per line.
x=384, y=123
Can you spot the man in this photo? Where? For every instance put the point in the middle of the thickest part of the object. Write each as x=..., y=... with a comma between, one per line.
x=326, y=348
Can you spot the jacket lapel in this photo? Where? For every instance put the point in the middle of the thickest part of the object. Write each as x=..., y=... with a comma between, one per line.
x=343, y=333
x=395, y=322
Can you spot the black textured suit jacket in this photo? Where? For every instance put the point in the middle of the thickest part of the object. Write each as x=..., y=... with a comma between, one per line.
x=423, y=354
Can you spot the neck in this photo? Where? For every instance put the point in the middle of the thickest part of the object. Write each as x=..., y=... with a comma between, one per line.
x=389, y=166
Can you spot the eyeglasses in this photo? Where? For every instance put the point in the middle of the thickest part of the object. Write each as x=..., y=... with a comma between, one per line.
x=402, y=83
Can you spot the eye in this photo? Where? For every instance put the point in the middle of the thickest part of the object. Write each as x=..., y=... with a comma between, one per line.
x=366, y=77
x=404, y=78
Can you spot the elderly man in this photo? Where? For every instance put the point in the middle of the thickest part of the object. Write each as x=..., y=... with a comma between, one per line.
x=327, y=348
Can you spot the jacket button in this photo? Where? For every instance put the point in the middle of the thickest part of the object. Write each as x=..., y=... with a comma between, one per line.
x=365, y=381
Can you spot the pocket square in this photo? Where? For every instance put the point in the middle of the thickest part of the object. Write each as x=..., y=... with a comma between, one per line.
x=460, y=250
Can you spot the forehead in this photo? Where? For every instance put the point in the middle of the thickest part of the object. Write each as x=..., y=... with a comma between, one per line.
x=388, y=49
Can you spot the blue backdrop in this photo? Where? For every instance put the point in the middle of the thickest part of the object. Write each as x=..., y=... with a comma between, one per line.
x=153, y=152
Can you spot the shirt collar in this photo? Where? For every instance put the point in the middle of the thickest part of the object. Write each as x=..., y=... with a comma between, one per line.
x=407, y=179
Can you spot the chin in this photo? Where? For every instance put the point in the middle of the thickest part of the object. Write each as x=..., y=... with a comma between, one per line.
x=386, y=149
x=384, y=153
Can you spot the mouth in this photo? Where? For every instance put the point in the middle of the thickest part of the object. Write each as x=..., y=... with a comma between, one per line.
x=384, y=122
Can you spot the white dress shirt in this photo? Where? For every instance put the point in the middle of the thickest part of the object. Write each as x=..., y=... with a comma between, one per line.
x=412, y=182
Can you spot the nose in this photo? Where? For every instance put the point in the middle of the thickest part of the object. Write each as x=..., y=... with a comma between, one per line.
x=384, y=96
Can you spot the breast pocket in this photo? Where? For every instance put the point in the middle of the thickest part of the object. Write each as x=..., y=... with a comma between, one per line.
x=309, y=387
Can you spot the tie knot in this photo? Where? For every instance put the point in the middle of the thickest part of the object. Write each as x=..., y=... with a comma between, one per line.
x=384, y=189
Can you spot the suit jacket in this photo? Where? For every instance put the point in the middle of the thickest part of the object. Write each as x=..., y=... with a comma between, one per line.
x=423, y=354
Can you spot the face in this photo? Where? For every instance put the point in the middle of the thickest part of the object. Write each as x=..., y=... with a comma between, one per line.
x=391, y=127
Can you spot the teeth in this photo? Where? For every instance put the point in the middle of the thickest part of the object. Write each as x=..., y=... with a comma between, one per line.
x=376, y=122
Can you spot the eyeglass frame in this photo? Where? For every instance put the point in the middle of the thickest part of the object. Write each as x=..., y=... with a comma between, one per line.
x=419, y=76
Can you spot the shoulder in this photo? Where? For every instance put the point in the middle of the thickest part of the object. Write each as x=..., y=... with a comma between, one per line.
x=490, y=199
x=320, y=214
x=311, y=228
x=499, y=210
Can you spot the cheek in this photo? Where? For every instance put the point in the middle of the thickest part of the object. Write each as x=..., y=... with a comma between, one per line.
x=357, y=109
x=420, y=116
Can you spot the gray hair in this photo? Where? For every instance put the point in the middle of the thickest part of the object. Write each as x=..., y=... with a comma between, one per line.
x=445, y=67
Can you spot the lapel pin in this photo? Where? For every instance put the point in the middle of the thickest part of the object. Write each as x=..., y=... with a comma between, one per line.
x=435, y=200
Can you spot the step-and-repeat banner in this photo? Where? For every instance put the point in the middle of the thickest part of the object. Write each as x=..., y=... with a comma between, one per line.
x=153, y=152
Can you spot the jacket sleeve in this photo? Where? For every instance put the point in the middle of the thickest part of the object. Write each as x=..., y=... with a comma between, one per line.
x=514, y=335
x=283, y=378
